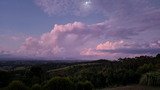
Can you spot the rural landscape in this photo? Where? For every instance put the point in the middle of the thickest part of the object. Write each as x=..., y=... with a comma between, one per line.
x=83, y=75
x=79, y=44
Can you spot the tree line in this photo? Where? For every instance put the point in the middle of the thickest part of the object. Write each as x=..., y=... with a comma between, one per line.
x=144, y=70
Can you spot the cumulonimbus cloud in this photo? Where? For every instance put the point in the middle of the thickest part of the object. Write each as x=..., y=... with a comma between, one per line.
x=78, y=39
x=128, y=20
x=63, y=39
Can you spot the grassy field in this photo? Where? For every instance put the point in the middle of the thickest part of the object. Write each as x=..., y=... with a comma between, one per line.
x=135, y=87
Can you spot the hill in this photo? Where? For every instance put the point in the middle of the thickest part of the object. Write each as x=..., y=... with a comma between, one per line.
x=144, y=70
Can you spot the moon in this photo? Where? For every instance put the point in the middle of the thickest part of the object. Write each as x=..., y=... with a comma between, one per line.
x=87, y=4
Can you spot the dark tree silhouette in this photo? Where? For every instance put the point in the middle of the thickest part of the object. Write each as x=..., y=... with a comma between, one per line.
x=36, y=87
x=59, y=83
x=84, y=86
x=17, y=85
x=151, y=79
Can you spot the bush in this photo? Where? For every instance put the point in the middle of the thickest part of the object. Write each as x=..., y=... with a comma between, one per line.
x=59, y=83
x=17, y=85
x=36, y=87
x=84, y=86
x=151, y=79
x=145, y=68
x=98, y=80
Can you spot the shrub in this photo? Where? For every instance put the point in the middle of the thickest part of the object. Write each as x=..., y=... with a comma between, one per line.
x=36, y=87
x=84, y=85
x=151, y=79
x=17, y=85
x=145, y=68
x=59, y=83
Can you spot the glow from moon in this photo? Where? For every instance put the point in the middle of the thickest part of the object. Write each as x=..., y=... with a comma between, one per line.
x=87, y=4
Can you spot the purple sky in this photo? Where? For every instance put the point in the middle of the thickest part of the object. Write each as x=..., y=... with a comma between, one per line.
x=82, y=29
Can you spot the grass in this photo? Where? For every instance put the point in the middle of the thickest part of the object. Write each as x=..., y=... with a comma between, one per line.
x=134, y=87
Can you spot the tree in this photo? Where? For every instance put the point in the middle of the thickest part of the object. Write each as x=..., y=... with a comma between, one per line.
x=98, y=80
x=34, y=75
x=151, y=79
x=17, y=85
x=158, y=56
x=84, y=85
x=36, y=71
x=59, y=83
x=36, y=87
x=145, y=68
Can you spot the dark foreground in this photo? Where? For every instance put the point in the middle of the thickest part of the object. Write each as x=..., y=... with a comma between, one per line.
x=80, y=75
x=134, y=87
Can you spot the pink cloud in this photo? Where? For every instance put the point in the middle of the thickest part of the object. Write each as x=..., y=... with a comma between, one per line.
x=61, y=40
x=78, y=39
x=115, y=35
x=11, y=37
x=127, y=47
x=4, y=51
x=64, y=40
x=117, y=49
x=15, y=38
x=111, y=45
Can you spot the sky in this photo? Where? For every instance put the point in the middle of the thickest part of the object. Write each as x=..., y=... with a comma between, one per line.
x=79, y=29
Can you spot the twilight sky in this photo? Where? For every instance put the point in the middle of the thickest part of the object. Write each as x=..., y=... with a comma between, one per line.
x=82, y=29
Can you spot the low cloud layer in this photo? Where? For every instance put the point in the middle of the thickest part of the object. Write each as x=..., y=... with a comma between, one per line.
x=129, y=47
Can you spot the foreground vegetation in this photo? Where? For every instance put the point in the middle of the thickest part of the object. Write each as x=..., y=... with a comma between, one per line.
x=49, y=75
x=133, y=87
